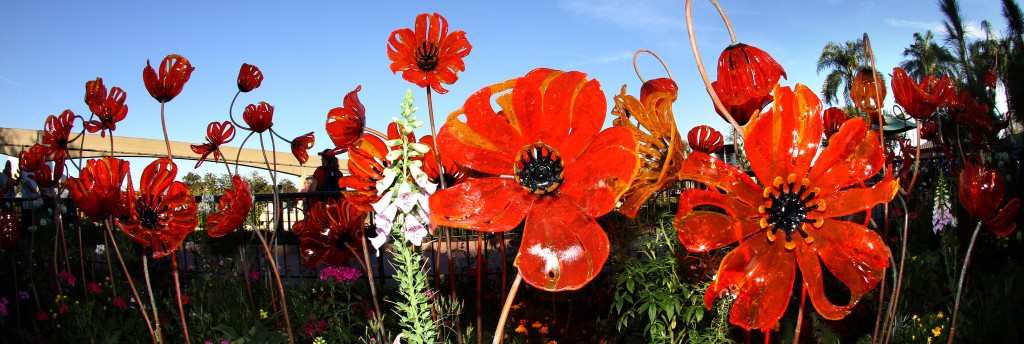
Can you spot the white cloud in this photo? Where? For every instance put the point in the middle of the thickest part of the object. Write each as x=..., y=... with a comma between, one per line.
x=972, y=29
x=656, y=16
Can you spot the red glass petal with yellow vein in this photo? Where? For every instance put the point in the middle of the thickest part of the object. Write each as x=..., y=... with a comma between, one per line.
x=331, y=228
x=175, y=70
x=161, y=213
x=301, y=146
x=97, y=190
x=345, y=124
x=57, y=135
x=260, y=117
x=786, y=223
x=428, y=55
x=919, y=100
x=365, y=166
x=449, y=171
x=746, y=76
x=563, y=246
x=249, y=78
x=217, y=134
x=232, y=209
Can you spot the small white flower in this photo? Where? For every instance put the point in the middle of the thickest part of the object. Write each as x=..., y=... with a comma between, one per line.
x=393, y=155
x=101, y=249
x=419, y=147
x=388, y=178
x=414, y=230
x=422, y=180
x=44, y=222
x=406, y=199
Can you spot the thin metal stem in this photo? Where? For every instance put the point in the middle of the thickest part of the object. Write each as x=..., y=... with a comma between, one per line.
x=152, y=300
x=177, y=292
x=703, y=73
x=163, y=124
x=800, y=315
x=142, y=309
x=636, y=68
x=960, y=284
x=499, y=332
x=280, y=286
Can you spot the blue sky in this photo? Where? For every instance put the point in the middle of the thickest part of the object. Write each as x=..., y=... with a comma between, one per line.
x=313, y=52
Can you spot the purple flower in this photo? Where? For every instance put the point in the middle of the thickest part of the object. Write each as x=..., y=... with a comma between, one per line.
x=23, y=295
x=3, y=306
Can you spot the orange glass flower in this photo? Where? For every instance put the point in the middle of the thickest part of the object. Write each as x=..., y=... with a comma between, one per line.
x=260, y=117
x=449, y=171
x=790, y=222
x=660, y=147
x=249, y=78
x=345, y=124
x=746, y=76
x=553, y=167
x=834, y=118
x=705, y=139
x=175, y=70
x=109, y=108
x=865, y=94
x=57, y=135
x=330, y=226
x=301, y=146
x=232, y=209
x=973, y=116
x=920, y=100
x=33, y=160
x=217, y=133
x=161, y=213
x=981, y=192
x=428, y=55
x=97, y=190
x=366, y=162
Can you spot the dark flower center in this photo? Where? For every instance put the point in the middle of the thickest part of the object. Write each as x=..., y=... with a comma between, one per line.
x=149, y=217
x=343, y=240
x=426, y=56
x=787, y=210
x=539, y=169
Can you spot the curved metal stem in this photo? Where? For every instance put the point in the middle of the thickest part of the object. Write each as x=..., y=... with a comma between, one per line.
x=636, y=68
x=704, y=73
x=960, y=284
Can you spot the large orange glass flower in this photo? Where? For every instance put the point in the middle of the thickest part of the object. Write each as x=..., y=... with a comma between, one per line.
x=449, y=171
x=554, y=167
x=109, y=108
x=33, y=160
x=260, y=117
x=981, y=192
x=249, y=78
x=217, y=133
x=301, y=146
x=57, y=135
x=428, y=55
x=161, y=213
x=920, y=100
x=745, y=79
x=232, y=209
x=660, y=147
x=97, y=190
x=330, y=226
x=790, y=222
x=175, y=70
x=345, y=124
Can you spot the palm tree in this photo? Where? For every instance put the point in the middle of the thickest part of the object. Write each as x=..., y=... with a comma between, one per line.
x=1013, y=73
x=842, y=61
x=927, y=58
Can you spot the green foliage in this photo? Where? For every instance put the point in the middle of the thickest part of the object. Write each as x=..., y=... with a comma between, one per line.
x=257, y=333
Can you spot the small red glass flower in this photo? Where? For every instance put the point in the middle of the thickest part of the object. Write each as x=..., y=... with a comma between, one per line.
x=161, y=213
x=249, y=78
x=920, y=100
x=705, y=139
x=746, y=76
x=260, y=117
x=301, y=146
x=554, y=168
x=109, y=108
x=217, y=133
x=232, y=209
x=175, y=70
x=95, y=95
x=791, y=220
x=345, y=124
x=449, y=171
x=660, y=146
x=868, y=92
x=331, y=228
x=57, y=135
x=97, y=190
x=428, y=55
x=33, y=161
x=834, y=118
x=981, y=193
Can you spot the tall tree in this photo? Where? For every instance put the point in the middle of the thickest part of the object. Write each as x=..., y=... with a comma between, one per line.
x=842, y=61
x=956, y=38
x=925, y=57
x=1013, y=73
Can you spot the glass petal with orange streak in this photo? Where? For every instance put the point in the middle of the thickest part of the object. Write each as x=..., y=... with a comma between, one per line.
x=57, y=135
x=33, y=160
x=705, y=139
x=97, y=190
x=865, y=95
x=920, y=99
x=232, y=209
x=301, y=146
x=745, y=79
x=161, y=213
x=981, y=192
x=790, y=223
x=449, y=171
x=366, y=163
x=660, y=147
x=330, y=226
x=217, y=134
x=834, y=118
x=109, y=108
x=345, y=124
x=260, y=117
x=553, y=167
x=175, y=70
x=429, y=55
x=249, y=78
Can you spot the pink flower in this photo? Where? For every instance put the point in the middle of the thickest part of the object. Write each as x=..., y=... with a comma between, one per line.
x=93, y=287
x=254, y=275
x=119, y=303
x=67, y=277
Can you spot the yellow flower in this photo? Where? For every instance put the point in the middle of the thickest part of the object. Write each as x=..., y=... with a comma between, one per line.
x=939, y=316
x=263, y=314
x=936, y=331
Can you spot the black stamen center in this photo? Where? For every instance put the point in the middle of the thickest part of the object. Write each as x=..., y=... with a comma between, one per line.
x=343, y=239
x=788, y=211
x=149, y=217
x=426, y=56
x=539, y=169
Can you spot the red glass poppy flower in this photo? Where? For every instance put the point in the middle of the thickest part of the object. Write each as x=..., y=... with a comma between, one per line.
x=981, y=192
x=449, y=171
x=161, y=213
x=553, y=167
x=249, y=78
x=97, y=190
x=789, y=222
x=217, y=133
x=430, y=55
x=746, y=76
x=834, y=118
x=260, y=117
x=366, y=162
x=175, y=70
x=345, y=124
x=109, y=108
x=864, y=93
x=330, y=226
x=660, y=146
x=990, y=78
x=33, y=160
x=705, y=139
x=301, y=146
x=920, y=100
x=57, y=135
x=232, y=209
x=9, y=231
